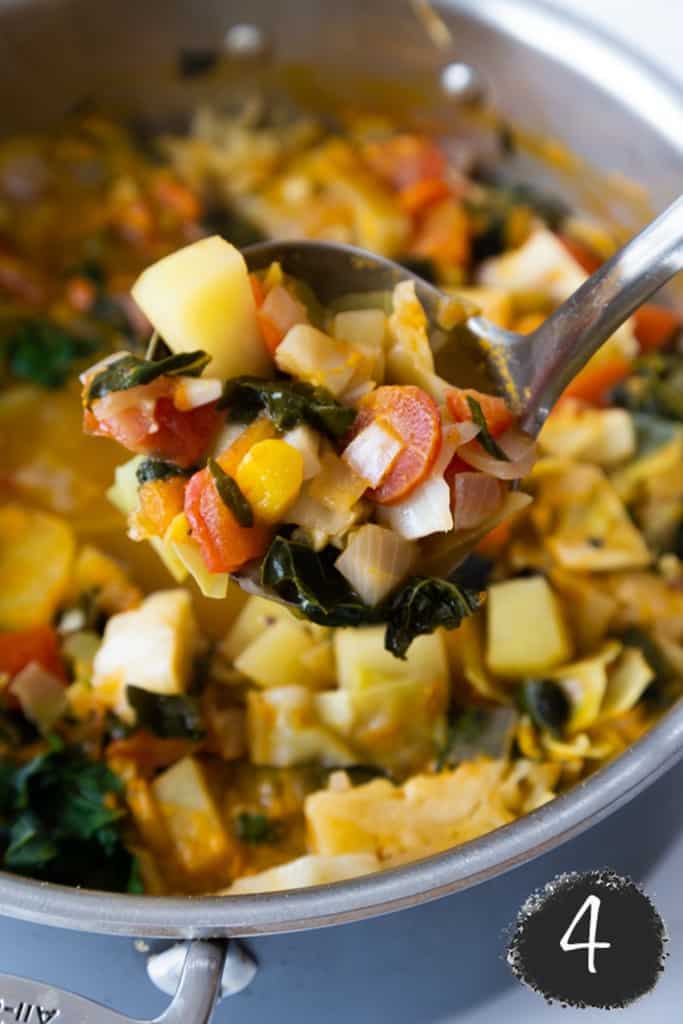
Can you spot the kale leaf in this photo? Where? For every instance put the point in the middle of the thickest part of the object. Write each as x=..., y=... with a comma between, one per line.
x=131, y=371
x=170, y=716
x=158, y=469
x=545, y=702
x=423, y=604
x=230, y=494
x=43, y=352
x=654, y=387
x=287, y=403
x=254, y=828
x=61, y=823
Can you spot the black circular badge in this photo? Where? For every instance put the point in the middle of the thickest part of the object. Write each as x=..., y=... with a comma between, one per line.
x=592, y=939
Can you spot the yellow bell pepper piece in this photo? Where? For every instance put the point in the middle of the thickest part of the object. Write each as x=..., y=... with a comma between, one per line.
x=270, y=476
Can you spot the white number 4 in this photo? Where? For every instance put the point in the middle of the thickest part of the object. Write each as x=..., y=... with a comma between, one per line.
x=591, y=905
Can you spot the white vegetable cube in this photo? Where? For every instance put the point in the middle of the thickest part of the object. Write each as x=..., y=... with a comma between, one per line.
x=373, y=451
x=273, y=658
x=363, y=661
x=427, y=510
x=306, y=441
x=151, y=647
x=283, y=728
x=526, y=631
x=366, y=330
x=310, y=355
x=256, y=615
x=375, y=560
x=199, y=837
x=200, y=298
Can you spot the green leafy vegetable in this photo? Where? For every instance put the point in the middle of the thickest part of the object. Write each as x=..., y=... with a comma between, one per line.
x=255, y=828
x=477, y=732
x=230, y=494
x=170, y=716
x=655, y=386
x=424, y=604
x=60, y=822
x=131, y=371
x=287, y=403
x=43, y=352
x=484, y=436
x=490, y=216
x=158, y=469
x=545, y=702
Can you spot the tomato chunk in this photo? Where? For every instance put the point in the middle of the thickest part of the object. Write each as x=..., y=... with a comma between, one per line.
x=226, y=546
x=496, y=413
x=655, y=326
x=414, y=417
x=19, y=649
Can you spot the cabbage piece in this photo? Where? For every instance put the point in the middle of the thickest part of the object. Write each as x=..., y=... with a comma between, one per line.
x=585, y=684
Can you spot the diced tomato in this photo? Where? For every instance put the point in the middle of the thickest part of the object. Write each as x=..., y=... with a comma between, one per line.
x=151, y=424
x=582, y=253
x=17, y=650
x=226, y=546
x=413, y=415
x=159, y=502
x=655, y=326
x=444, y=234
x=496, y=413
x=415, y=198
x=403, y=160
x=594, y=383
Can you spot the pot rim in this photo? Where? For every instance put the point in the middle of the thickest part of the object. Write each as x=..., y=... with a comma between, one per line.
x=658, y=100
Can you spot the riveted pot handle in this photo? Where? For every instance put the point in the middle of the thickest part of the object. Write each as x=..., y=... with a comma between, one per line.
x=33, y=1002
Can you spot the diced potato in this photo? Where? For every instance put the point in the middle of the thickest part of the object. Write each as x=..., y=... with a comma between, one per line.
x=284, y=729
x=585, y=684
x=179, y=541
x=318, y=664
x=199, y=837
x=311, y=355
x=270, y=476
x=363, y=661
x=603, y=436
x=375, y=561
x=312, y=869
x=366, y=330
x=526, y=631
x=151, y=647
x=200, y=298
x=256, y=615
x=427, y=814
x=493, y=303
x=93, y=570
x=273, y=658
x=36, y=558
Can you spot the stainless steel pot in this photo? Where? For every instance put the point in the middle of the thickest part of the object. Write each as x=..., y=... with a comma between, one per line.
x=546, y=72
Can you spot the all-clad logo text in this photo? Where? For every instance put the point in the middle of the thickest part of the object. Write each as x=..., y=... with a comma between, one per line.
x=28, y=1013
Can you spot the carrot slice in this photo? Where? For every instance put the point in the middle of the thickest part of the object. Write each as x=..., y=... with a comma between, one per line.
x=655, y=326
x=593, y=383
x=19, y=649
x=496, y=413
x=414, y=417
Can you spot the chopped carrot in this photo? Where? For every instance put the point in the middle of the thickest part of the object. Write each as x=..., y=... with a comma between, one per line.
x=257, y=289
x=414, y=417
x=444, y=235
x=19, y=649
x=279, y=311
x=270, y=332
x=159, y=502
x=416, y=198
x=655, y=326
x=495, y=540
x=594, y=383
x=496, y=413
x=405, y=159
x=583, y=254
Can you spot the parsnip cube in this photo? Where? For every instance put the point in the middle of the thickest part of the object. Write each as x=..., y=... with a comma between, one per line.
x=200, y=298
x=151, y=647
x=526, y=631
x=198, y=835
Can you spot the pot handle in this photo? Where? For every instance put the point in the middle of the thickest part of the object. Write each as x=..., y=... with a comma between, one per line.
x=35, y=1002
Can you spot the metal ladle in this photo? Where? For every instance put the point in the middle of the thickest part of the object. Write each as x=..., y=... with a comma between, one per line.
x=529, y=370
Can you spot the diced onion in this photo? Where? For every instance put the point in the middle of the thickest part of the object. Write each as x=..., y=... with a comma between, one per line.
x=476, y=497
x=373, y=452
x=192, y=392
x=428, y=508
x=283, y=310
x=467, y=431
x=375, y=561
x=41, y=695
x=520, y=448
x=306, y=441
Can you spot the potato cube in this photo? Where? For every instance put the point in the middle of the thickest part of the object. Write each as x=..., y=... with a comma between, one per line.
x=273, y=658
x=363, y=661
x=283, y=729
x=36, y=558
x=200, y=298
x=526, y=631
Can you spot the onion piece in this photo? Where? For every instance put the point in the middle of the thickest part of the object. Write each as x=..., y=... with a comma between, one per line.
x=476, y=497
x=282, y=309
x=192, y=392
x=466, y=431
x=41, y=695
x=520, y=448
x=375, y=561
x=306, y=441
x=373, y=452
x=428, y=508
